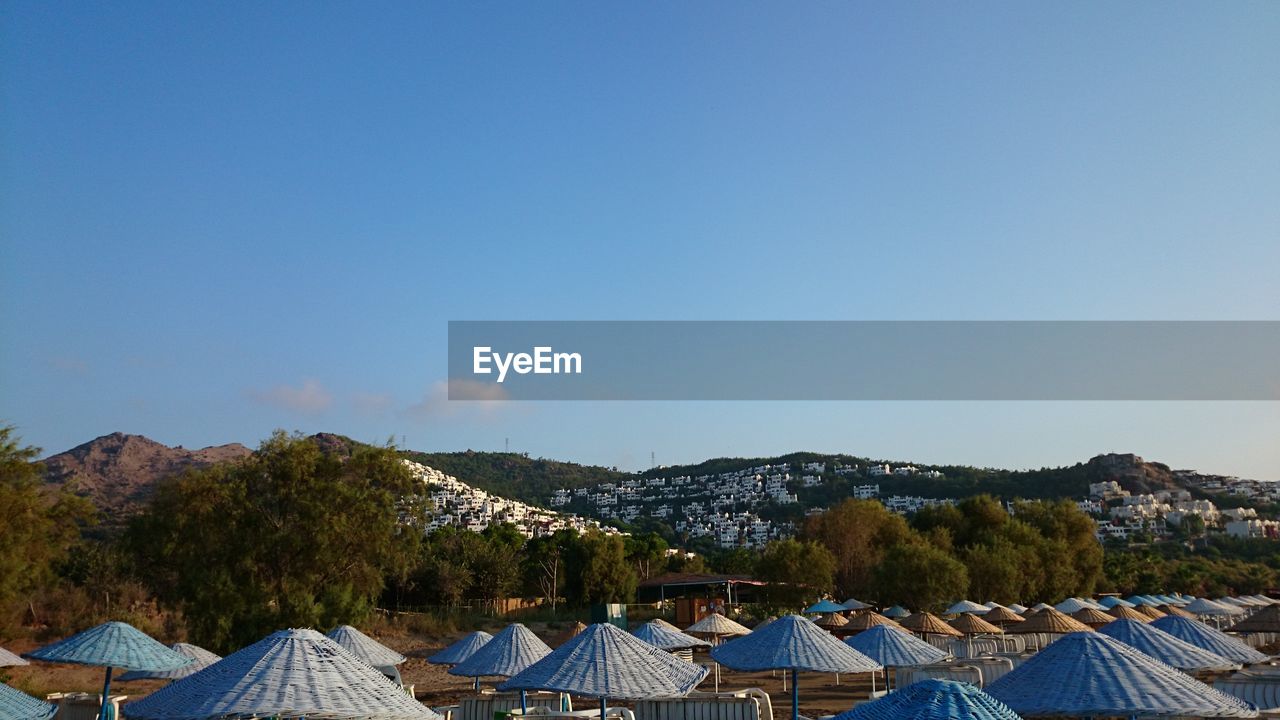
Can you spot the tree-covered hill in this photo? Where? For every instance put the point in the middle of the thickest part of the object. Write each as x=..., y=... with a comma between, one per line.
x=516, y=476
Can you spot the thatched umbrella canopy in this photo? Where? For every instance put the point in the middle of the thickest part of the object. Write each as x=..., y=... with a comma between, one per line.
x=929, y=624
x=831, y=621
x=1175, y=611
x=1091, y=617
x=867, y=620
x=1050, y=621
x=974, y=625
x=1003, y=616
x=1124, y=612
x=1150, y=611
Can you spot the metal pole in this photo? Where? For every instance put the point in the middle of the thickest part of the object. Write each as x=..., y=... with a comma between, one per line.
x=106, y=695
x=477, y=686
x=795, y=694
x=524, y=702
x=602, y=708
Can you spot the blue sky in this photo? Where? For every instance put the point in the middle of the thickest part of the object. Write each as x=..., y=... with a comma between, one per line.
x=220, y=219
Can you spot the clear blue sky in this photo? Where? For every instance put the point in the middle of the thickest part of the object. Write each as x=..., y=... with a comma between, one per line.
x=222, y=218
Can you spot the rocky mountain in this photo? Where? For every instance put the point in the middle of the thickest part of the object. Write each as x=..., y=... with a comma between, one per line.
x=118, y=471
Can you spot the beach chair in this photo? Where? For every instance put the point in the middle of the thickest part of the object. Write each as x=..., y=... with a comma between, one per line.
x=992, y=668
x=748, y=704
x=484, y=705
x=84, y=706
x=1261, y=689
x=960, y=673
x=546, y=713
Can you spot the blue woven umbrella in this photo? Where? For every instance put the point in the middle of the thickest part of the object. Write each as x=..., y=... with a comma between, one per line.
x=288, y=674
x=1088, y=674
x=606, y=662
x=792, y=643
x=461, y=650
x=1165, y=647
x=855, y=604
x=381, y=657
x=1207, y=638
x=8, y=659
x=1111, y=601
x=111, y=645
x=933, y=700
x=509, y=652
x=892, y=647
x=897, y=612
x=966, y=606
x=17, y=705
x=663, y=637
x=200, y=659
x=825, y=606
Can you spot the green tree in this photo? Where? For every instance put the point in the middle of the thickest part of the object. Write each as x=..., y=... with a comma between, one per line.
x=796, y=571
x=599, y=571
x=39, y=531
x=919, y=575
x=856, y=532
x=647, y=553
x=544, y=565
x=289, y=537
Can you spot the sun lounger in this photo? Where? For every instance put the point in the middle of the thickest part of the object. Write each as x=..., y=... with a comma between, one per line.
x=992, y=668
x=1261, y=689
x=749, y=704
x=546, y=713
x=484, y=705
x=83, y=706
x=961, y=673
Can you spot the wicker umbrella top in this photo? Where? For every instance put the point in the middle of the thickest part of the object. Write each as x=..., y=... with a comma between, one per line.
x=365, y=647
x=1002, y=616
x=1124, y=612
x=8, y=659
x=1265, y=620
x=933, y=700
x=17, y=705
x=1175, y=611
x=716, y=624
x=929, y=624
x=1050, y=621
x=866, y=621
x=1150, y=611
x=112, y=644
x=1091, y=617
x=831, y=621
x=973, y=625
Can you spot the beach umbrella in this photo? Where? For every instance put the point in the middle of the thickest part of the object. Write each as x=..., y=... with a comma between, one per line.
x=865, y=621
x=17, y=705
x=509, y=652
x=111, y=645
x=381, y=657
x=1071, y=605
x=663, y=637
x=290, y=673
x=1237, y=602
x=606, y=662
x=830, y=621
x=929, y=624
x=716, y=626
x=1138, y=600
x=1020, y=609
x=897, y=612
x=892, y=647
x=855, y=604
x=1211, y=608
x=461, y=649
x=1150, y=611
x=8, y=659
x=1091, y=674
x=1041, y=607
x=991, y=605
x=793, y=643
x=1124, y=612
x=972, y=625
x=1111, y=601
x=1165, y=647
x=966, y=606
x=933, y=700
x=1207, y=638
x=1092, y=617
x=1266, y=620
x=825, y=606
x=1049, y=621
x=200, y=659
x=1174, y=610
x=1002, y=616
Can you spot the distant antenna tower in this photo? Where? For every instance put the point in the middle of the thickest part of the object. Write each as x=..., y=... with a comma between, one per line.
x=652, y=462
x=507, y=445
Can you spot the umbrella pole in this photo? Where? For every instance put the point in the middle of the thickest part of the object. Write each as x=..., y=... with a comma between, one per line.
x=873, y=681
x=106, y=696
x=477, y=684
x=795, y=694
x=602, y=708
x=524, y=702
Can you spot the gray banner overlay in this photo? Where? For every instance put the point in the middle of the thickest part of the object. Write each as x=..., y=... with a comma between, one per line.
x=864, y=360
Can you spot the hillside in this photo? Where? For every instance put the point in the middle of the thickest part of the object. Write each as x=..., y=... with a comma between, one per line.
x=516, y=476
x=117, y=472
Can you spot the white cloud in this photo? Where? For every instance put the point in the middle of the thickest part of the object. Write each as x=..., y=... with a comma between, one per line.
x=312, y=398
x=455, y=397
